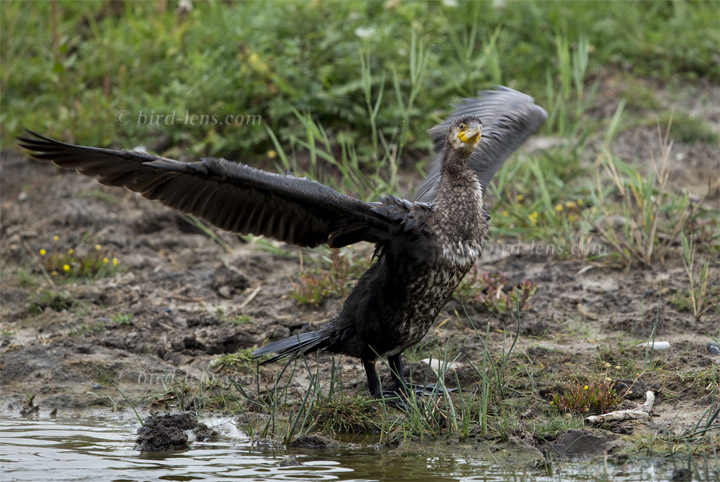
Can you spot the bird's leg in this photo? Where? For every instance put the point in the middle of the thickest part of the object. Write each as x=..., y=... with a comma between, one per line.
x=372, y=378
x=396, y=394
x=391, y=397
x=399, y=383
x=396, y=368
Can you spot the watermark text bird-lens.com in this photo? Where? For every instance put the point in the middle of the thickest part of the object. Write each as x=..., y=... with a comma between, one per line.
x=186, y=118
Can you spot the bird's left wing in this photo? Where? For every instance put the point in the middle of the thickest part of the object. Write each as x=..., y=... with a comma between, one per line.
x=231, y=196
x=508, y=117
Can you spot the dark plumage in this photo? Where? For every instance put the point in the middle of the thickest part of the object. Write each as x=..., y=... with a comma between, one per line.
x=424, y=248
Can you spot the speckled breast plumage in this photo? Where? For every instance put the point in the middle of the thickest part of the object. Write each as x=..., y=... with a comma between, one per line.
x=431, y=286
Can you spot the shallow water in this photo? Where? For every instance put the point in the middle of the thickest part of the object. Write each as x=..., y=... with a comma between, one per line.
x=102, y=448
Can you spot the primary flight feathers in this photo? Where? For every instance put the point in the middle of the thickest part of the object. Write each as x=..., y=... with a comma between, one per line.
x=238, y=198
x=232, y=196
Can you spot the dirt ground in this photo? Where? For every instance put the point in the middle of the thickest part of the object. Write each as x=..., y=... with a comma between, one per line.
x=191, y=301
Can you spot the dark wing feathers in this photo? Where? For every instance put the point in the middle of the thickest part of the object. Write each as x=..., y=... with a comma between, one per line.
x=231, y=196
x=241, y=199
x=509, y=117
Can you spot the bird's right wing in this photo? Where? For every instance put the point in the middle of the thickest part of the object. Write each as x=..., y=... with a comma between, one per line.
x=508, y=117
x=231, y=196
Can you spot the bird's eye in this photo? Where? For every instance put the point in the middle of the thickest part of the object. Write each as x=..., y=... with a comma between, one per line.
x=463, y=126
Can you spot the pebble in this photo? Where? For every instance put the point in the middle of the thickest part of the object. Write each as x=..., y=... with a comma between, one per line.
x=713, y=348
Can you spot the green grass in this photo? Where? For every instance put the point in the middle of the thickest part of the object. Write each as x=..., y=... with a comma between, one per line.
x=54, y=300
x=369, y=72
x=123, y=318
x=239, y=359
x=596, y=397
x=490, y=290
x=335, y=278
x=88, y=262
x=346, y=90
x=688, y=129
x=97, y=326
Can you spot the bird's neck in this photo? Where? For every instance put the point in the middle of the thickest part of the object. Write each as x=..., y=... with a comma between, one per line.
x=459, y=185
x=458, y=212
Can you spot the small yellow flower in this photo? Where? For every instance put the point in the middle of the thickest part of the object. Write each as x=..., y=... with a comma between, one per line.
x=66, y=267
x=617, y=367
x=115, y=262
x=570, y=204
x=272, y=154
x=608, y=379
x=580, y=202
x=552, y=402
x=505, y=213
x=71, y=251
x=533, y=217
x=43, y=252
x=607, y=365
x=54, y=273
x=98, y=247
x=519, y=197
x=585, y=387
x=56, y=238
x=572, y=218
x=106, y=261
x=558, y=207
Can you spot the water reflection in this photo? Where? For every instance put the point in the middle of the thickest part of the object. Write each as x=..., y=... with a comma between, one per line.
x=101, y=448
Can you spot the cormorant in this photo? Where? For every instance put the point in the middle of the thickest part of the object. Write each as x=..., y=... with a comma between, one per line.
x=423, y=247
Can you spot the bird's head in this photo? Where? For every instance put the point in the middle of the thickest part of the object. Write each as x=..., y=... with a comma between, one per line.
x=464, y=134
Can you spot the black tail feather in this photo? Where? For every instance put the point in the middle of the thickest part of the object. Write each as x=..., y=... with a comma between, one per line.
x=293, y=346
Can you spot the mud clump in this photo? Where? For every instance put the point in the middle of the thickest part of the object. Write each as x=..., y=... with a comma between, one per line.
x=581, y=443
x=313, y=442
x=170, y=432
x=228, y=281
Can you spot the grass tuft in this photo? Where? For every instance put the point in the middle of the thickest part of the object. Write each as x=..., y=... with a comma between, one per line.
x=88, y=262
x=334, y=279
x=51, y=299
x=492, y=291
x=593, y=397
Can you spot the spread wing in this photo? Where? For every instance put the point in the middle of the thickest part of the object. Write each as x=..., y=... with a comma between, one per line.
x=231, y=196
x=509, y=117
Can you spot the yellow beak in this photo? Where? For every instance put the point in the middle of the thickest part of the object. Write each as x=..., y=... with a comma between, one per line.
x=471, y=135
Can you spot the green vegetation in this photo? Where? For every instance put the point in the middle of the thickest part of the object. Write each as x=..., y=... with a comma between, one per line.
x=123, y=318
x=241, y=319
x=344, y=91
x=335, y=278
x=88, y=328
x=81, y=70
x=703, y=296
x=492, y=291
x=597, y=396
x=55, y=300
x=233, y=361
x=86, y=263
x=25, y=278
